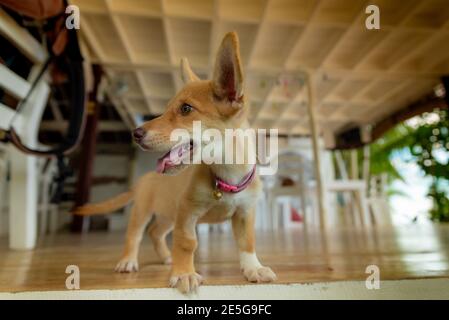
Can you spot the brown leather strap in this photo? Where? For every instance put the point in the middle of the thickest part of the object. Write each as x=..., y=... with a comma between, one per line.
x=38, y=9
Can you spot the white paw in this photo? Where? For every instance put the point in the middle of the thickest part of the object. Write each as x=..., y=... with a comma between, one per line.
x=127, y=265
x=259, y=274
x=168, y=260
x=186, y=283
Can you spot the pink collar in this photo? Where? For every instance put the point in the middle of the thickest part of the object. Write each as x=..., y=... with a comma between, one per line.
x=227, y=187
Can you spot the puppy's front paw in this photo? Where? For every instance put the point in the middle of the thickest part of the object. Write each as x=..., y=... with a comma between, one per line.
x=127, y=266
x=186, y=283
x=168, y=260
x=259, y=274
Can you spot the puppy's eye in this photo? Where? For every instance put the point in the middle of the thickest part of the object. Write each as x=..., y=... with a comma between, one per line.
x=186, y=109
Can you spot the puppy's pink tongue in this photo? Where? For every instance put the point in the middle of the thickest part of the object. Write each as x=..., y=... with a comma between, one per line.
x=172, y=158
x=160, y=167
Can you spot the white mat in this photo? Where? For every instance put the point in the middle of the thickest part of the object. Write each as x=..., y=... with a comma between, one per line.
x=397, y=289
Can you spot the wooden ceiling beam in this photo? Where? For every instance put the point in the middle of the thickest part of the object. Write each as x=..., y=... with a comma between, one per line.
x=258, y=32
x=342, y=26
x=273, y=71
x=329, y=55
x=395, y=31
x=421, y=46
x=408, y=112
x=128, y=49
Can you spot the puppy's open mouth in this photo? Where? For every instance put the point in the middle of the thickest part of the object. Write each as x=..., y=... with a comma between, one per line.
x=175, y=156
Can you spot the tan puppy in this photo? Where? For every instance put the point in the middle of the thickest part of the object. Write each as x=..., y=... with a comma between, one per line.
x=183, y=195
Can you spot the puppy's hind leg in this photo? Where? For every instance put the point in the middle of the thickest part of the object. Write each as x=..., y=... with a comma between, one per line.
x=158, y=231
x=136, y=227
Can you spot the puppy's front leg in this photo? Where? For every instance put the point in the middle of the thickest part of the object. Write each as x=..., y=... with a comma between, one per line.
x=243, y=228
x=183, y=274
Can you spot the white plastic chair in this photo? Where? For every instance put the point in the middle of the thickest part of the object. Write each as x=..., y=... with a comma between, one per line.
x=378, y=201
x=3, y=185
x=24, y=169
x=357, y=190
x=290, y=165
x=48, y=212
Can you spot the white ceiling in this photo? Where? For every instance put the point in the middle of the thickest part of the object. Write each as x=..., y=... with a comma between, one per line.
x=362, y=75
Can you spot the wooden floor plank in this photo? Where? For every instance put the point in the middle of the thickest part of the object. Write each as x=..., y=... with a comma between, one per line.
x=410, y=252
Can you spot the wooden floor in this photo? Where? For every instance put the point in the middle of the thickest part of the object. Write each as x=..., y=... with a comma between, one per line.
x=406, y=253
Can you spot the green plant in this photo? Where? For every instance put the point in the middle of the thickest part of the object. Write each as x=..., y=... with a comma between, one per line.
x=425, y=141
x=430, y=149
x=384, y=149
x=440, y=207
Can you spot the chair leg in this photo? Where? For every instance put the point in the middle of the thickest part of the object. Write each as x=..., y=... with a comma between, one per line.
x=303, y=207
x=23, y=201
x=369, y=215
x=44, y=207
x=313, y=212
x=362, y=206
x=54, y=218
x=3, y=173
x=274, y=214
x=286, y=213
x=24, y=175
x=350, y=207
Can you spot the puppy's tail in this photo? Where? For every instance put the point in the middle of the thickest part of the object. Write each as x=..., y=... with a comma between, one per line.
x=106, y=206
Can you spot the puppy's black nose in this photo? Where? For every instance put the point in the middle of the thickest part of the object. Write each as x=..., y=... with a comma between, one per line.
x=138, y=134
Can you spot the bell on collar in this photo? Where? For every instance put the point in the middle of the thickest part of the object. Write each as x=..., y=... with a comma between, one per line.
x=218, y=194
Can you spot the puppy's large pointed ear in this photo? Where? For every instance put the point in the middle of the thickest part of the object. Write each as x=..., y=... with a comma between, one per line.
x=228, y=78
x=187, y=74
